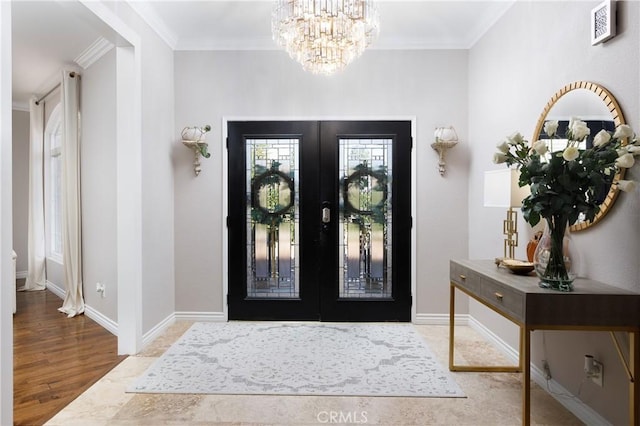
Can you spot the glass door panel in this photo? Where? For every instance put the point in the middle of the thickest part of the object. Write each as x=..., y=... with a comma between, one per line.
x=272, y=183
x=365, y=168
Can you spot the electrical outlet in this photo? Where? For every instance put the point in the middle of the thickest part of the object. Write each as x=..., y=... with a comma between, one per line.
x=100, y=288
x=597, y=375
x=546, y=369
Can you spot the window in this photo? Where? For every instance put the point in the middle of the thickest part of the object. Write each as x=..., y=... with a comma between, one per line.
x=53, y=185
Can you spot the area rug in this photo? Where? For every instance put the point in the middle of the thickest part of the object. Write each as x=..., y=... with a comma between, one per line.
x=299, y=359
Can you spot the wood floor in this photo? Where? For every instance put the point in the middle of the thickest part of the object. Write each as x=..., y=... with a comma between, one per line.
x=55, y=358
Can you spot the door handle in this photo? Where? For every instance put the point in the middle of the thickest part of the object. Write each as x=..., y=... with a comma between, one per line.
x=326, y=215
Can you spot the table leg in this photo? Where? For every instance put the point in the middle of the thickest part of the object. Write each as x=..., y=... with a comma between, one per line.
x=525, y=360
x=634, y=385
x=452, y=304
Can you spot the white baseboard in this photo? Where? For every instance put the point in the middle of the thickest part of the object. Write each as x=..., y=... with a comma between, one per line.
x=105, y=322
x=579, y=409
x=201, y=316
x=502, y=346
x=21, y=274
x=110, y=325
x=156, y=331
x=163, y=325
x=55, y=289
x=440, y=319
x=159, y=328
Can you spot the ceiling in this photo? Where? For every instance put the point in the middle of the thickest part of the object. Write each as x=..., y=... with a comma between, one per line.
x=49, y=35
x=212, y=25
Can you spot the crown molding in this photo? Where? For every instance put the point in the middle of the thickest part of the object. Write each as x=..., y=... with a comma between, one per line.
x=20, y=106
x=487, y=25
x=262, y=43
x=209, y=44
x=95, y=51
x=157, y=24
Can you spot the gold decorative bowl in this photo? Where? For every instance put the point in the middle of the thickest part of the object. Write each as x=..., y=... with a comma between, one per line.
x=519, y=267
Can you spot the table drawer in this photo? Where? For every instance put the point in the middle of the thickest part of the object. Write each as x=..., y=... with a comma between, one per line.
x=501, y=297
x=460, y=274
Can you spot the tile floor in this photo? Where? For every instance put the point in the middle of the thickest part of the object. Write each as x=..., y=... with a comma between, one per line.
x=492, y=398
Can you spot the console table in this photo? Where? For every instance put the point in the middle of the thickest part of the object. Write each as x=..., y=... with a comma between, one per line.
x=592, y=306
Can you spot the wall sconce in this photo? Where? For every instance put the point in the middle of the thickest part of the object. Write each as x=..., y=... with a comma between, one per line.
x=194, y=138
x=501, y=189
x=446, y=137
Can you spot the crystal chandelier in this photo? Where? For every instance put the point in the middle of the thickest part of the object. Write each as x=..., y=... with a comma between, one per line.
x=324, y=35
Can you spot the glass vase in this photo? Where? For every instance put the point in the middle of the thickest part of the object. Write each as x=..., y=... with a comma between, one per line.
x=552, y=259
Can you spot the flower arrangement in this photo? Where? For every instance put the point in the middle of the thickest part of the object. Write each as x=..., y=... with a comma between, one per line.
x=567, y=184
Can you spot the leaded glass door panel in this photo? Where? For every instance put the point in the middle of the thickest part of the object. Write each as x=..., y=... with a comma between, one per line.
x=319, y=220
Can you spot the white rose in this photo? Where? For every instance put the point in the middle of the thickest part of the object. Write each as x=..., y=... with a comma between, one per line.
x=625, y=161
x=627, y=185
x=540, y=147
x=570, y=153
x=503, y=147
x=579, y=129
x=633, y=149
x=515, y=139
x=499, y=158
x=623, y=131
x=621, y=151
x=602, y=138
x=551, y=127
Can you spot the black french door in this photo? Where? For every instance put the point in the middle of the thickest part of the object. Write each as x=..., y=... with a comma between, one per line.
x=319, y=220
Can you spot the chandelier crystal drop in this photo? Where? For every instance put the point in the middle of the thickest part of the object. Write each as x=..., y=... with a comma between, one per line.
x=324, y=35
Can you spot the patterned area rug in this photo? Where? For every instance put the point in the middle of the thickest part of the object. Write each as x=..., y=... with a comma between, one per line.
x=299, y=359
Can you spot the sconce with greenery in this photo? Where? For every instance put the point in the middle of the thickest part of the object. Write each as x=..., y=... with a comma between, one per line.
x=195, y=139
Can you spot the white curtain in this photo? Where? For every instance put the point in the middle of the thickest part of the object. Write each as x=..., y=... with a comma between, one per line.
x=71, y=218
x=35, y=235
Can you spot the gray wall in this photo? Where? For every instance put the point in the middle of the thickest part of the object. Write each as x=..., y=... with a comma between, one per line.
x=533, y=51
x=158, y=138
x=430, y=85
x=98, y=168
x=20, y=162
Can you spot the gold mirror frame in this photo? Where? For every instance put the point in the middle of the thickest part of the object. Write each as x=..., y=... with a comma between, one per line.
x=618, y=119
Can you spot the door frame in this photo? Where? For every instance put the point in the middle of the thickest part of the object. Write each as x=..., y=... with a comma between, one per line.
x=225, y=200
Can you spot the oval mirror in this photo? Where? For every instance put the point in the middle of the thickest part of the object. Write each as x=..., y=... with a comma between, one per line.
x=593, y=104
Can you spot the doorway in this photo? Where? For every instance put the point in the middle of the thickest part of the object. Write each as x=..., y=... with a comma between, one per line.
x=319, y=220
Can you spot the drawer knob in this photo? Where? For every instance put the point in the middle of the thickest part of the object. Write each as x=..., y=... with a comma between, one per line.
x=498, y=295
x=463, y=277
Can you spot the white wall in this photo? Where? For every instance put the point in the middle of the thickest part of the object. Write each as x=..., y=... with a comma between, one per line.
x=20, y=188
x=533, y=51
x=430, y=85
x=98, y=168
